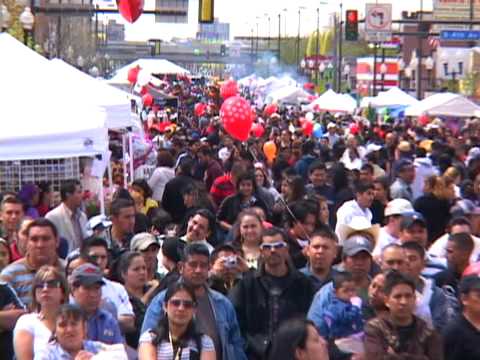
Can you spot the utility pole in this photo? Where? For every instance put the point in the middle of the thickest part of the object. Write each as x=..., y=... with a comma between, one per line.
x=317, y=46
x=279, y=35
x=340, y=52
x=297, y=52
x=374, y=91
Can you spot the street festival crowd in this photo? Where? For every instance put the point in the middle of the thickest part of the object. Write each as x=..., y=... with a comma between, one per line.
x=354, y=238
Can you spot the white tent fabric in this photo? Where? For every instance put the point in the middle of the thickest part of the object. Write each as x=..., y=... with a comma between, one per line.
x=393, y=97
x=153, y=66
x=429, y=103
x=288, y=94
x=457, y=107
x=39, y=119
x=333, y=102
x=115, y=102
x=273, y=83
x=250, y=81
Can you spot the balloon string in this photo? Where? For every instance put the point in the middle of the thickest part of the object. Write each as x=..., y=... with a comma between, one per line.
x=302, y=228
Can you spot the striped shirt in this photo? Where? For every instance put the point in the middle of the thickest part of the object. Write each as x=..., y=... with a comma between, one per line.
x=19, y=275
x=165, y=349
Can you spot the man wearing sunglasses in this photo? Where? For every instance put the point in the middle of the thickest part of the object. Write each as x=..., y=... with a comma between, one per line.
x=215, y=313
x=274, y=293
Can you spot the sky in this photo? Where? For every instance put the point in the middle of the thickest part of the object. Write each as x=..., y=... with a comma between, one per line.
x=244, y=14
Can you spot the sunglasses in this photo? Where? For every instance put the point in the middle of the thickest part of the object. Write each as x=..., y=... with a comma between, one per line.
x=274, y=246
x=187, y=304
x=50, y=284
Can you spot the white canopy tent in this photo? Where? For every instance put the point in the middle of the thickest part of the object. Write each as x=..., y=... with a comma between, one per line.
x=288, y=94
x=393, y=97
x=153, y=66
x=333, y=102
x=39, y=118
x=250, y=81
x=115, y=102
x=432, y=104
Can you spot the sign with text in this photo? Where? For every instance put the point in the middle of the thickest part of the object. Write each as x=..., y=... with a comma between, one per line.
x=378, y=22
x=456, y=35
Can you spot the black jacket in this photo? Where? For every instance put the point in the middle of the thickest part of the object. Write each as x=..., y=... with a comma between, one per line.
x=232, y=206
x=254, y=304
x=172, y=200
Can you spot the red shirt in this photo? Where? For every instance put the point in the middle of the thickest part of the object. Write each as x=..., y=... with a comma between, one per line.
x=221, y=188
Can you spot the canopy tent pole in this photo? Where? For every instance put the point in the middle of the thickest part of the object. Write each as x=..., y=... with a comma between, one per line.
x=124, y=162
x=130, y=149
x=102, y=196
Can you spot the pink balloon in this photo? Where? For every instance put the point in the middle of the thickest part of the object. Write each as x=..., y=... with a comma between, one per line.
x=236, y=117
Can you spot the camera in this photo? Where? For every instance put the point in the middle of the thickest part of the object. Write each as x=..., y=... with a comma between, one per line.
x=230, y=261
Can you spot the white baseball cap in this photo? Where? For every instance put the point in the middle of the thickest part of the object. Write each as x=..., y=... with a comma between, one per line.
x=399, y=207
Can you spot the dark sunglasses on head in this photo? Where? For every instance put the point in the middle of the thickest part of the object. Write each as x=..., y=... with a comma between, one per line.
x=50, y=284
x=187, y=304
x=277, y=246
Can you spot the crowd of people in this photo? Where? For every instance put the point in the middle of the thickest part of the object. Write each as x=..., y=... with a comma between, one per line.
x=357, y=244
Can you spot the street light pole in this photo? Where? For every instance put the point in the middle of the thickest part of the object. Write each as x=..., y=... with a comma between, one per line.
x=297, y=58
x=279, y=34
x=340, y=52
x=317, y=46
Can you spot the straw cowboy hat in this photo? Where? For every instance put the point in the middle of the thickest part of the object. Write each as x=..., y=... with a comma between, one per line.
x=358, y=225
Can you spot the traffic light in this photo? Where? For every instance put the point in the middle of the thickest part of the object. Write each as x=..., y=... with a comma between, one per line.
x=206, y=11
x=223, y=50
x=351, y=25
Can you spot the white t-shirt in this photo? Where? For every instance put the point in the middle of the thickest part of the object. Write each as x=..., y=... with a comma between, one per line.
x=347, y=212
x=384, y=239
x=115, y=293
x=165, y=349
x=32, y=324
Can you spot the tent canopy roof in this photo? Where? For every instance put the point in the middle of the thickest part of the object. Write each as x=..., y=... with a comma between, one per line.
x=393, y=97
x=39, y=118
x=153, y=66
x=428, y=104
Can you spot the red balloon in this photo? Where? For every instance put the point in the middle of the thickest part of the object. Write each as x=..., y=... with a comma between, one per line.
x=472, y=269
x=258, y=130
x=302, y=121
x=143, y=90
x=200, y=109
x=354, y=129
x=307, y=127
x=130, y=9
x=132, y=74
x=236, y=117
x=228, y=89
x=147, y=100
x=423, y=120
x=270, y=109
x=309, y=86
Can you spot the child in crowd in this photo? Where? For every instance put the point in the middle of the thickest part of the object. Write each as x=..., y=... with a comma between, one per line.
x=343, y=316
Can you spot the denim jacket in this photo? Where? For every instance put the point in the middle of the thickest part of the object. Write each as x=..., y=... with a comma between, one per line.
x=226, y=319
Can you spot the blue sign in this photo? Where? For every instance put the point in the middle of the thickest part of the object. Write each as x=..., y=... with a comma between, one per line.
x=459, y=35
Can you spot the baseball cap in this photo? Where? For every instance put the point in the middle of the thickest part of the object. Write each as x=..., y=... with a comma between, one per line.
x=402, y=164
x=331, y=125
x=97, y=221
x=172, y=248
x=87, y=274
x=398, y=207
x=141, y=241
x=464, y=207
x=411, y=219
x=357, y=243
x=373, y=147
x=469, y=283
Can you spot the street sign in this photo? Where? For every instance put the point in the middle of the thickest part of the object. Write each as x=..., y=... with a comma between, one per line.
x=378, y=22
x=459, y=35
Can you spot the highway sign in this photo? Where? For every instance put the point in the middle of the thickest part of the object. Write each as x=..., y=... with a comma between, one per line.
x=378, y=22
x=459, y=35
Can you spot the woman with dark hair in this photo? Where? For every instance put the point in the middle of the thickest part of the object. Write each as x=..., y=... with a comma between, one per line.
x=69, y=339
x=176, y=336
x=263, y=180
x=133, y=274
x=341, y=189
x=298, y=339
x=142, y=195
x=245, y=197
x=44, y=204
x=292, y=189
x=162, y=174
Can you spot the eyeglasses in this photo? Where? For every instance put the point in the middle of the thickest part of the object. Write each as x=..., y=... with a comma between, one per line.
x=187, y=304
x=50, y=284
x=274, y=246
